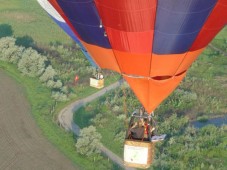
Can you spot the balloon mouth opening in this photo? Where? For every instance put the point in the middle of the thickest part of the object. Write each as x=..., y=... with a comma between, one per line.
x=179, y=74
x=166, y=77
x=161, y=77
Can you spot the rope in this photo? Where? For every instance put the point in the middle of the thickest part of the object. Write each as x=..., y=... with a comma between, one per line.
x=125, y=108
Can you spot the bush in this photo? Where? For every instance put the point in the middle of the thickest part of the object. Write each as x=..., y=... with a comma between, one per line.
x=54, y=84
x=88, y=142
x=59, y=96
x=49, y=74
x=32, y=63
x=9, y=51
x=202, y=119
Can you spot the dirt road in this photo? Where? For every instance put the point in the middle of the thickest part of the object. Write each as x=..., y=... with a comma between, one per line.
x=65, y=119
x=22, y=145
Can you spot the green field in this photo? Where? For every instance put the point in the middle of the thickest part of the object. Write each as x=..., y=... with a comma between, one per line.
x=28, y=18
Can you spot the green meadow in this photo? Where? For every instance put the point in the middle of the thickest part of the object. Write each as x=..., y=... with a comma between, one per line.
x=27, y=18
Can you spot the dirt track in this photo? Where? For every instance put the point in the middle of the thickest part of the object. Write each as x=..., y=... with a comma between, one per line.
x=65, y=119
x=22, y=145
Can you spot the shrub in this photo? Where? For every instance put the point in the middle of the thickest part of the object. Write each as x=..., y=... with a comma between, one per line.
x=54, y=84
x=59, y=96
x=32, y=63
x=202, y=118
x=88, y=142
x=9, y=51
x=48, y=74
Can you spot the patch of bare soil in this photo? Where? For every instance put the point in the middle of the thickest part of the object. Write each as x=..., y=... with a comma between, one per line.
x=22, y=145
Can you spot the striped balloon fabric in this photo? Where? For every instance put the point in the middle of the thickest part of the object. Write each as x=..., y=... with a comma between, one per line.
x=152, y=43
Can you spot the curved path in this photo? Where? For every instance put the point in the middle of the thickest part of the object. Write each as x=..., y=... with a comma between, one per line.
x=22, y=145
x=65, y=119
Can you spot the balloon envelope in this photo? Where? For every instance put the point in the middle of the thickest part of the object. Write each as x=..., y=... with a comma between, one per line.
x=152, y=43
x=61, y=23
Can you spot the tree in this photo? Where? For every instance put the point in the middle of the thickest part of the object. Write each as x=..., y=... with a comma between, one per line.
x=59, y=96
x=32, y=63
x=89, y=141
x=48, y=74
x=173, y=125
x=9, y=51
x=54, y=84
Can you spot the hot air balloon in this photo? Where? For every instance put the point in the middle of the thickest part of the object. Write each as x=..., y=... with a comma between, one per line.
x=94, y=82
x=151, y=43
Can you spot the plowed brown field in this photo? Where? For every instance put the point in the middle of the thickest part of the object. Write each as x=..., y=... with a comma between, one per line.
x=22, y=146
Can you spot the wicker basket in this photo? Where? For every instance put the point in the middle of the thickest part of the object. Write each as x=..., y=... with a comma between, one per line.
x=138, y=154
x=97, y=83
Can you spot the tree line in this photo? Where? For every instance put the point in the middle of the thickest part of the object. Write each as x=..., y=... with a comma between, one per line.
x=32, y=64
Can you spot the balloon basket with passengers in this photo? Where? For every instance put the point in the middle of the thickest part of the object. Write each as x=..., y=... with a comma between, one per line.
x=97, y=80
x=140, y=140
x=152, y=44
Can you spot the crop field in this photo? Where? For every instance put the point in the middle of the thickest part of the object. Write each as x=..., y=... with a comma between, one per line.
x=22, y=145
x=27, y=18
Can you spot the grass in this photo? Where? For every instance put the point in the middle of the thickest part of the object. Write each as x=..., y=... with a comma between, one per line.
x=40, y=101
x=28, y=18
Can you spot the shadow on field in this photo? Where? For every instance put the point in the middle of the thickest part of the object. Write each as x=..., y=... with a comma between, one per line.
x=5, y=30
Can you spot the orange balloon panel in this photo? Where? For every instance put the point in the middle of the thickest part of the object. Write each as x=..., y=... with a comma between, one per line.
x=133, y=64
x=189, y=58
x=102, y=56
x=152, y=92
x=166, y=64
x=172, y=64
